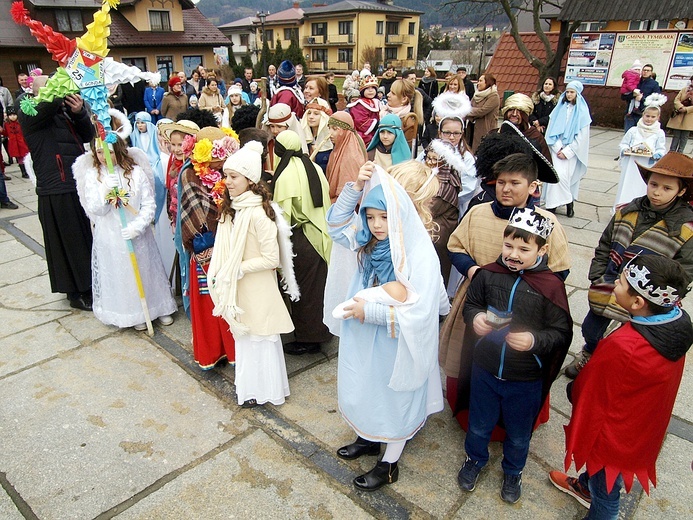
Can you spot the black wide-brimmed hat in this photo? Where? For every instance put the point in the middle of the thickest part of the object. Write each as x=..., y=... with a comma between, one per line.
x=546, y=171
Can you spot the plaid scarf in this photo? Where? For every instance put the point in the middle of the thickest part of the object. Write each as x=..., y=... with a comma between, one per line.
x=198, y=213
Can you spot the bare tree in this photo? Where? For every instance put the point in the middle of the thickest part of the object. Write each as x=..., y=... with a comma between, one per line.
x=370, y=54
x=551, y=65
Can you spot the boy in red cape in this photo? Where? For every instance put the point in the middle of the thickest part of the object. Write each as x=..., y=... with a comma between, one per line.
x=623, y=398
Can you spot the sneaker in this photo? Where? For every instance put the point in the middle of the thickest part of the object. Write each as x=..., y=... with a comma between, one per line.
x=578, y=364
x=572, y=487
x=141, y=326
x=8, y=205
x=512, y=488
x=469, y=474
x=166, y=320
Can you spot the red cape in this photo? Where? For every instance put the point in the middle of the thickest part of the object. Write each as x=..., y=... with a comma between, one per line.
x=622, y=403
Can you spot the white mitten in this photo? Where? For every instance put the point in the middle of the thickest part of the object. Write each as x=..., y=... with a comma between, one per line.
x=128, y=233
x=111, y=181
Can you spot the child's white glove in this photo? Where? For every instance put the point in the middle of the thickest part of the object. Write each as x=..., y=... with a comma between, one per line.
x=128, y=233
x=111, y=181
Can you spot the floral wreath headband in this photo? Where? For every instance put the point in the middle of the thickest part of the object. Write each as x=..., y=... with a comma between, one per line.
x=205, y=151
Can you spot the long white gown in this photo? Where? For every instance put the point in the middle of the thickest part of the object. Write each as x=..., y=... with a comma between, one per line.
x=631, y=185
x=116, y=298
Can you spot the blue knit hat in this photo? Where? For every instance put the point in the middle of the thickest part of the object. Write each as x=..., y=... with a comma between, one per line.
x=287, y=73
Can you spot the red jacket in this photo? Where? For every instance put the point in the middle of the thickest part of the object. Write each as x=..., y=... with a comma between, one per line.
x=622, y=403
x=16, y=145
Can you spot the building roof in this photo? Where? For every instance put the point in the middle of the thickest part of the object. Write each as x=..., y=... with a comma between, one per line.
x=587, y=10
x=248, y=21
x=198, y=31
x=292, y=14
x=91, y=4
x=359, y=5
x=511, y=69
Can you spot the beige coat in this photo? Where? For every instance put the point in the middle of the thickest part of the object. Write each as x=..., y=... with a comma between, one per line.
x=258, y=292
x=682, y=120
x=211, y=101
x=485, y=117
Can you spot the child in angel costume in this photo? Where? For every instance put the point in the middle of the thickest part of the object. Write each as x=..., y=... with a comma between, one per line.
x=642, y=144
x=116, y=298
x=388, y=379
x=252, y=241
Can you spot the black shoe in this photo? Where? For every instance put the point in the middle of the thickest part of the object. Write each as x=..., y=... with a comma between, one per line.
x=82, y=303
x=298, y=348
x=250, y=403
x=512, y=488
x=570, y=210
x=383, y=473
x=25, y=175
x=359, y=448
x=551, y=210
x=469, y=474
x=8, y=205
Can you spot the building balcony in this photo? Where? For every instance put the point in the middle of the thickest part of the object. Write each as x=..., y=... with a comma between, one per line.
x=335, y=66
x=330, y=39
x=240, y=49
x=397, y=39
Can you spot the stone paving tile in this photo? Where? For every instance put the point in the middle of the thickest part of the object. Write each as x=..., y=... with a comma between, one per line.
x=32, y=293
x=31, y=226
x=5, y=236
x=91, y=428
x=668, y=500
x=22, y=269
x=254, y=478
x=34, y=345
x=8, y=511
x=683, y=407
x=15, y=321
x=85, y=327
x=12, y=251
x=580, y=259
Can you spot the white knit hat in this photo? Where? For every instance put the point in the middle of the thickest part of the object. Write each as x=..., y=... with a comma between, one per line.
x=247, y=161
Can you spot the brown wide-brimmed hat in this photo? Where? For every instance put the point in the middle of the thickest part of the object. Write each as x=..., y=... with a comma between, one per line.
x=673, y=164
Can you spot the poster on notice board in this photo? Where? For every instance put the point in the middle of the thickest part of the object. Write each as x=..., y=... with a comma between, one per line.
x=589, y=57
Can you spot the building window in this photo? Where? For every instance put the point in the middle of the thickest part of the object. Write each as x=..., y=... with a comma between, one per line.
x=379, y=26
x=410, y=53
x=160, y=20
x=391, y=53
x=392, y=28
x=245, y=40
x=140, y=63
x=69, y=20
x=269, y=33
x=345, y=27
x=320, y=55
x=345, y=55
x=164, y=64
x=591, y=26
x=412, y=27
x=318, y=29
x=291, y=34
x=190, y=63
x=647, y=25
x=25, y=67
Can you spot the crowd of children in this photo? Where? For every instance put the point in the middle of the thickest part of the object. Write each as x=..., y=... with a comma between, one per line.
x=330, y=207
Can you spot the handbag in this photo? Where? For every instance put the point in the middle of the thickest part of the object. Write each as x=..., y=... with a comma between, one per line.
x=203, y=240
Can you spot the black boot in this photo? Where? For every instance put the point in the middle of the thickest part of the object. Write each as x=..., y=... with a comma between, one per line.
x=570, y=210
x=358, y=448
x=25, y=175
x=383, y=473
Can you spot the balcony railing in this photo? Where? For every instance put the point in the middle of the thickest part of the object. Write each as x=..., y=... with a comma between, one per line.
x=397, y=39
x=335, y=66
x=330, y=39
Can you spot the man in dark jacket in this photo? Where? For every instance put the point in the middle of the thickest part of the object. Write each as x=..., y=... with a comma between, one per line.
x=636, y=99
x=55, y=137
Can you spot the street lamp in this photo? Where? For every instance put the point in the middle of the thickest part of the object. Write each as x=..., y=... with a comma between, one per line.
x=262, y=15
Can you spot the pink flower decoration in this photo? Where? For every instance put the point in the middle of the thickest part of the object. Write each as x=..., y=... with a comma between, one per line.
x=188, y=144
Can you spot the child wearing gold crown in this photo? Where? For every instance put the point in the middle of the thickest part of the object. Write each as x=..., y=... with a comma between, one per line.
x=366, y=109
x=623, y=398
x=519, y=327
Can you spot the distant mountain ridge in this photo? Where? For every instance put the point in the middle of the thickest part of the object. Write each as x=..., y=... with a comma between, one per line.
x=225, y=11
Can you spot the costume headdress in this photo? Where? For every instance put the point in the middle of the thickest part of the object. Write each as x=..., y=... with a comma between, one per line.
x=546, y=171
x=531, y=221
x=450, y=105
x=520, y=102
x=639, y=279
x=368, y=81
x=655, y=100
x=183, y=126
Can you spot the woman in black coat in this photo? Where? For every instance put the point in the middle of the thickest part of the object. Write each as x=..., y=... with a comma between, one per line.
x=544, y=102
x=429, y=83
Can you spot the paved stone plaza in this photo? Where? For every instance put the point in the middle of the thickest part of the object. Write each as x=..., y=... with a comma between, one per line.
x=98, y=422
